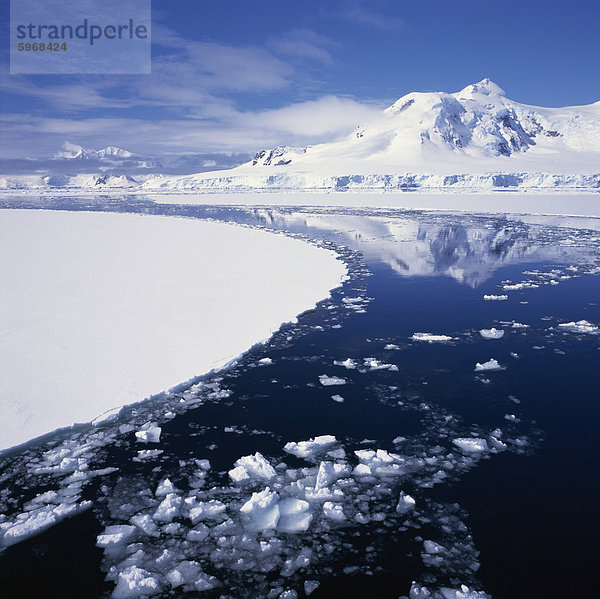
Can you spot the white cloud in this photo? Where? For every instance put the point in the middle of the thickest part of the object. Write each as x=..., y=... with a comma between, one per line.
x=301, y=123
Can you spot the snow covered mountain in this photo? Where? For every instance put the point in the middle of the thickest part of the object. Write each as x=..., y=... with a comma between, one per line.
x=476, y=137
x=75, y=152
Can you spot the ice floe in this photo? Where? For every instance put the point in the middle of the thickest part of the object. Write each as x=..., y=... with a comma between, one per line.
x=581, y=326
x=431, y=338
x=492, y=333
x=328, y=381
x=495, y=298
x=491, y=364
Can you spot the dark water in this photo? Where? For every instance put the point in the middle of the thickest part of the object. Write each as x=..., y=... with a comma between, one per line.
x=526, y=516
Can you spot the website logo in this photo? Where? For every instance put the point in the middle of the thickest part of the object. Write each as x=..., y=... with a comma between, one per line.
x=84, y=37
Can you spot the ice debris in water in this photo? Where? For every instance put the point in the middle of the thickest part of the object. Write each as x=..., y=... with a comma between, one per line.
x=348, y=363
x=337, y=398
x=430, y=338
x=311, y=448
x=496, y=298
x=492, y=333
x=327, y=381
x=491, y=364
x=252, y=467
x=374, y=364
x=391, y=346
x=265, y=361
x=418, y=591
x=149, y=433
x=471, y=444
x=581, y=326
x=405, y=503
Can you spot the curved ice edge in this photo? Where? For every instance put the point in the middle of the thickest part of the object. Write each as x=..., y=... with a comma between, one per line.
x=109, y=416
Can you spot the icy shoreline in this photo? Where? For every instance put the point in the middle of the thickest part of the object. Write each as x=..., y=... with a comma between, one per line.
x=104, y=310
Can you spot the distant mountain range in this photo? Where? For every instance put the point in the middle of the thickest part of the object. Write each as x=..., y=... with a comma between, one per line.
x=474, y=138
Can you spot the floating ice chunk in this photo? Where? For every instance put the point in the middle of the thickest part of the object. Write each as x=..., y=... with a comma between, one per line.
x=334, y=511
x=405, y=503
x=265, y=361
x=119, y=534
x=165, y=487
x=329, y=472
x=186, y=573
x=491, y=364
x=391, y=346
x=519, y=325
x=337, y=398
x=206, y=510
x=32, y=523
x=471, y=444
x=261, y=511
x=151, y=434
x=433, y=548
x=169, y=508
x=326, y=381
x=135, y=582
x=581, y=326
x=147, y=454
x=348, y=363
x=252, y=467
x=431, y=338
x=418, y=591
x=374, y=364
x=311, y=448
x=511, y=417
x=463, y=593
x=310, y=586
x=495, y=298
x=492, y=333
x=294, y=515
x=146, y=524
x=379, y=463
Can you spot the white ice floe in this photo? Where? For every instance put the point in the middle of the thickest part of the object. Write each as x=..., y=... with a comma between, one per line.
x=149, y=434
x=101, y=310
x=391, y=346
x=417, y=591
x=430, y=338
x=261, y=511
x=491, y=364
x=250, y=467
x=581, y=326
x=265, y=361
x=405, y=503
x=519, y=325
x=471, y=444
x=328, y=381
x=311, y=448
x=337, y=398
x=348, y=363
x=334, y=511
x=496, y=298
x=294, y=515
x=134, y=582
x=492, y=333
x=379, y=463
x=374, y=364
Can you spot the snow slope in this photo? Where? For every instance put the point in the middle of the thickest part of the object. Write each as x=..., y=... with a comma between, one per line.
x=100, y=310
x=476, y=137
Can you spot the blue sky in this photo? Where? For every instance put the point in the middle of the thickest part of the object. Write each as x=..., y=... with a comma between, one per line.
x=240, y=75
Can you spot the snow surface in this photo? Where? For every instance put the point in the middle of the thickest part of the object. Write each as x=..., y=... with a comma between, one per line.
x=101, y=310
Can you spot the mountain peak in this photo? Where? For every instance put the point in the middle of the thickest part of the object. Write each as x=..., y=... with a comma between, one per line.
x=484, y=87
